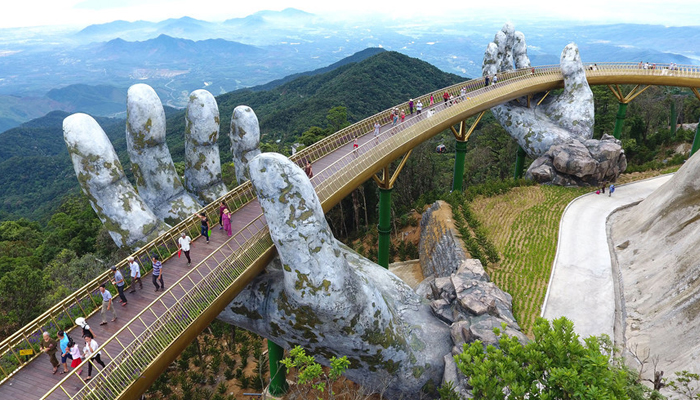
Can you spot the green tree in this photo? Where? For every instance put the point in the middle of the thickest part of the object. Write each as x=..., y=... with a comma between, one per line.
x=23, y=292
x=555, y=365
x=311, y=373
x=337, y=118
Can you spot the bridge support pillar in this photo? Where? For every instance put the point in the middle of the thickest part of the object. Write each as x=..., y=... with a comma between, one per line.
x=673, y=120
x=386, y=185
x=624, y=100
x=460, y=155
x=519, y=163
x=384, y=227
x=696, y=141
x=620, y=120
x=278, y=372
x=462, y=135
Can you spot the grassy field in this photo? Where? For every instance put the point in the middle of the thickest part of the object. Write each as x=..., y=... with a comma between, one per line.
x=523, y=224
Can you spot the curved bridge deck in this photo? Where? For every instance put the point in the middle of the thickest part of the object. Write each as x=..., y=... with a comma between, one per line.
x=155, y=327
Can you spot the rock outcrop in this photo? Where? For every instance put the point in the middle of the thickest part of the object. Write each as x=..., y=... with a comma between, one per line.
x=580, y=163
x=657, y=244
x=565, y=121
x=462, y=295
x=441, y=249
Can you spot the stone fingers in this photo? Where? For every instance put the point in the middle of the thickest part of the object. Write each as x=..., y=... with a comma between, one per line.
x=520, y=57
x=245, y=140
x=202, y=162
x=125, y=215
x=573, y=109
x=156, y=179
x=298, y=227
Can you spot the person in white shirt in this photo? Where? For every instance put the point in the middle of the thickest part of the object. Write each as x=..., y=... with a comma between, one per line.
x=184, y=244
x=135, y=272
x=90, y=346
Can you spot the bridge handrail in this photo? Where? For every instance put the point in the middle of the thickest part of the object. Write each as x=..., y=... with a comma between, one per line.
x=181, y=306
x=243, y=193
x=86, y=301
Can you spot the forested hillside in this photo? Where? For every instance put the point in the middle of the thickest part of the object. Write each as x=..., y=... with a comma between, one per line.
x=36, y=172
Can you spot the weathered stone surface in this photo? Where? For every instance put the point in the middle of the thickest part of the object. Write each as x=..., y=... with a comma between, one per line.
x=129, y=220
x=659, y=270
x=587, y=163
x=157, y=181
x=332, y=301
x=202, y=161
x=440, y=249
x=565, y=121
x=245, y=140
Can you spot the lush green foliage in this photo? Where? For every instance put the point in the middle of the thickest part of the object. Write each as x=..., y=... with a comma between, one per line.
x=555, y=365
x=310, y=372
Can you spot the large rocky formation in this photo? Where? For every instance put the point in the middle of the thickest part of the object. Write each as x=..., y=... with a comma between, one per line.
x=441, y=249
x=657, y=246
x=565, y=121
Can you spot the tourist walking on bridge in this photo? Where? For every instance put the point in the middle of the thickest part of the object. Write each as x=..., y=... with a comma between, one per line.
x=307, y=168
x=227, y=222
x=419, y=107
x=75, y=354
x=183, y=244
x=63, y=345
x=106, y=305
x=377, y=127
x=87, y=331
x=445, y=97
x=205, y=225
x=432, y=100
x=91, y=354
x=49, y=346
x=410, y=106
x=135, y=271
x=222, y=207
x=157, y=274
x=119, y=283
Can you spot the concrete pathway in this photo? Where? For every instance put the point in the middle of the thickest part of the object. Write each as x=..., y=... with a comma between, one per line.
x=581, y=285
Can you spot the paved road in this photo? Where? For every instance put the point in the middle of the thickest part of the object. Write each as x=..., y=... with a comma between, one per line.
x=581, y=285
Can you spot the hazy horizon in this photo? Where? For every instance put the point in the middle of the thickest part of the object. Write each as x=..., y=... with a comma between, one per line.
x=82, y=13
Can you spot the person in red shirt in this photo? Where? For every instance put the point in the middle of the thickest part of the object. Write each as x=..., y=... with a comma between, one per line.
x=446, y=96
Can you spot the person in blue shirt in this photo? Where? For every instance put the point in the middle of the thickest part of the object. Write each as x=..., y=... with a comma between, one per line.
x=63, y=344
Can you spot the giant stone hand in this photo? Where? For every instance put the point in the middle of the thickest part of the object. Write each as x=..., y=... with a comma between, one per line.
x=325, y=297
x=134, y=219
x=557, y=132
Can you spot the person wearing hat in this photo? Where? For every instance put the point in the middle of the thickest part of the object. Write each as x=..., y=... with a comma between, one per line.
x=119, y=283
x=410, y=106
x=135, y=274
x=86, y=328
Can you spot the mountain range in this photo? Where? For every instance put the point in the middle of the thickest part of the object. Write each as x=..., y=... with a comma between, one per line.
x=177, y=56
x=36, y=171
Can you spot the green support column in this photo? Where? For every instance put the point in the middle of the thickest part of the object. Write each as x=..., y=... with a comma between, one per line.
x=460, y=155
x=384, y=227
x=620, y=121
x=696, y=141
x=278, y=372
x=519, y=163
x=674, y=118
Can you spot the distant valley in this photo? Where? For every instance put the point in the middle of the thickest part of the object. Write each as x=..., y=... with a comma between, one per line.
x=90, y=69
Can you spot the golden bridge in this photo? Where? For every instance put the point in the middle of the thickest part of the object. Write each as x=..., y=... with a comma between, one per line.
x=155, y=327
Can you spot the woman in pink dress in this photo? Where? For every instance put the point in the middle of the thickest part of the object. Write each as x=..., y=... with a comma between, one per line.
x=227, y=221
x=432, y=100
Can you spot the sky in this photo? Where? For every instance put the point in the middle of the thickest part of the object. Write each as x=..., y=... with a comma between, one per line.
x=81, y=13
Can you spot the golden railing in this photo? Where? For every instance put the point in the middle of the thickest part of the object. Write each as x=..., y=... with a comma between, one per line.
x=332, y=184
